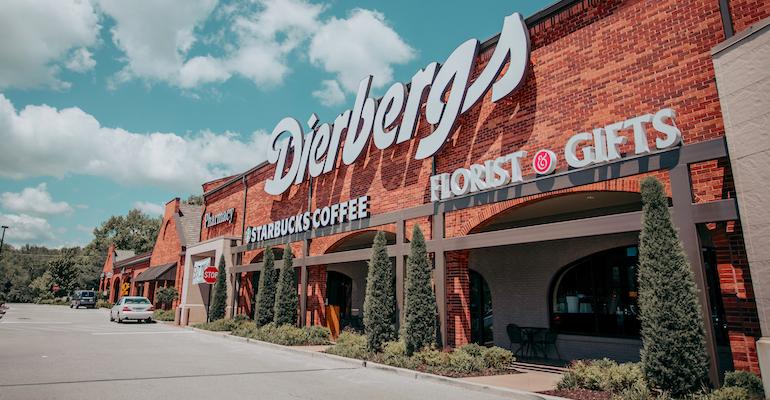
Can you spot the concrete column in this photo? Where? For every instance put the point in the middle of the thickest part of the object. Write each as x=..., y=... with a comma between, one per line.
x=439, y=276
x=681, y=192
x=742, y=77
x=400, y=274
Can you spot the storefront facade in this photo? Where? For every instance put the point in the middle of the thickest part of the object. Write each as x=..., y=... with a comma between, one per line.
x=528, y=193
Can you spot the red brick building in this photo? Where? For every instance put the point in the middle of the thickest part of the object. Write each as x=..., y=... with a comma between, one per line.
x=555, y=250
x=126, y=274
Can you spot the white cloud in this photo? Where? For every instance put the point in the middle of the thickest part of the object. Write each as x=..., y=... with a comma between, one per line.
x=34, y=200
x=38, y=34
x=330, y=94
x=157, y=39
x=147, y=207
x=81, y=61
x=363, y=44
x=55, y=142
x=155, y=35
x=23, y=229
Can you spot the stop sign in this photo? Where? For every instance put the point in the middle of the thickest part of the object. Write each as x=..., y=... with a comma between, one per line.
x=210, y=274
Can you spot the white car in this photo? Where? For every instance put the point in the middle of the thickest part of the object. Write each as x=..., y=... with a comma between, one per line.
x=137, y=308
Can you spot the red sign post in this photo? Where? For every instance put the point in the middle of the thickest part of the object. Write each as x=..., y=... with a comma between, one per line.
x=210, y=274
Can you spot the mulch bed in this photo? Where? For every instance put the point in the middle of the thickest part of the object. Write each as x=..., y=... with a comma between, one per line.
x=580, y=394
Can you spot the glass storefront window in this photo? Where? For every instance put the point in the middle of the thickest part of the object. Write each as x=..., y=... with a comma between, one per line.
x=597, y=295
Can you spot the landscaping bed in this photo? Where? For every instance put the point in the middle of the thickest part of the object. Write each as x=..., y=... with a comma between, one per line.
x=286, y=335
x=605, y=379
x=465, y=361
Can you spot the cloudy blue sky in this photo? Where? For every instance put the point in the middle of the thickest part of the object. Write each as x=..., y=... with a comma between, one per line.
x=107, y=105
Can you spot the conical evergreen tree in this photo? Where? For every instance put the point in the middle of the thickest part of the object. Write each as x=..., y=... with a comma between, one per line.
x=380, y=300
x=219, y=300
x=419, y=329
x=266, y=291
x=674, y=353
x=286, y=298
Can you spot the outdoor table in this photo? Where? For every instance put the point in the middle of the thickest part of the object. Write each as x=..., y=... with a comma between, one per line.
x=530, y=335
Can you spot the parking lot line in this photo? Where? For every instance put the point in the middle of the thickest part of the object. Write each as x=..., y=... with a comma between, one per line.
x=140, y=333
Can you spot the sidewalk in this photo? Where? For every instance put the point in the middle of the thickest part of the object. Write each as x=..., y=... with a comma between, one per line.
x=530, y=381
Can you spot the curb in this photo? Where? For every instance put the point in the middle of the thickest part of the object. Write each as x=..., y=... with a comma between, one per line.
x=408, y=373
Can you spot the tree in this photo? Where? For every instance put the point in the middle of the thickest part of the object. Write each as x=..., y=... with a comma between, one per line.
x=286, y=298
x=266, y=291
x=63, y=271
x=219, y=302
x=380, y=301
x=195, y=200
x=41, y=287
x=166, y=296
x=673, y=354
x=420, y=304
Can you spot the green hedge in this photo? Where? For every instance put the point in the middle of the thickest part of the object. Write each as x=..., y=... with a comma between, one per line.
x=468, y=360
x=164, y=315
x=287, y=335
x=104, y=304
x=57, y=302
x=627, y=382
x=222, y=325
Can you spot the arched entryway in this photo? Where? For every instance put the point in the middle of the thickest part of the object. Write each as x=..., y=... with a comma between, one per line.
x=115, y=294
x=519, y=280
x=345, y=282
x=481, y=309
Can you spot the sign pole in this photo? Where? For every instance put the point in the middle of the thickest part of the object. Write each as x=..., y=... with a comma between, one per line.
x=208, y=305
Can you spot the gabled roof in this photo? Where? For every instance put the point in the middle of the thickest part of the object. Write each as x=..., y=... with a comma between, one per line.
x=121, y=255
x=188, y=223
x=133, y=260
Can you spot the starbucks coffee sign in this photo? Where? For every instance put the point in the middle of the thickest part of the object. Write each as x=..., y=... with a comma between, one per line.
x=393, y=119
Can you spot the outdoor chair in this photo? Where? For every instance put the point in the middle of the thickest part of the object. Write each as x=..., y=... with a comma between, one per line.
x=516, y=336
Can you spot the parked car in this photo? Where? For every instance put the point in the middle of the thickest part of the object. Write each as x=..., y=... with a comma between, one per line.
x=83, y=298
x=136, y=308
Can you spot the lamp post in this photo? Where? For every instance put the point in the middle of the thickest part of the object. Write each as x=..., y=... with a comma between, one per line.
x=2, y=239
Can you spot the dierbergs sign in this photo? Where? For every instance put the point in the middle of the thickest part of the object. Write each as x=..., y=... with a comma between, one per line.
x=316, y=152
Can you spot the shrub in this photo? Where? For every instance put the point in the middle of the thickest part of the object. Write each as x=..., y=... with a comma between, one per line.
x=419, y=329
x=61, y=301
x=163, y=315
x=394, y=354
x=287, y=335
x=103, y=304
x=674, y=352
x=432, y=359
x=497, y=358
x=219, y=301
x=604, y=375
x=351, y=345
x=473, y=349
x=286, y=298
x=166, y=296
x=465, y=363
x=219, y=325
x=746, y=380
x=380, y=298
x=729, y=393
x=266, y=291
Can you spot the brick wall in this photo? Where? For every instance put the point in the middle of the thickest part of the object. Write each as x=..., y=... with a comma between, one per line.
x=316, y=295
x=748, y=12
x=737, y=294
x=458, y=298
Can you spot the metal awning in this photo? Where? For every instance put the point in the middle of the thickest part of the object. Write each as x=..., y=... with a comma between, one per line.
x=165, y=272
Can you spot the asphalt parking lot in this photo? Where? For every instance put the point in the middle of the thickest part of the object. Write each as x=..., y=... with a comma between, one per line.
x=54, y=352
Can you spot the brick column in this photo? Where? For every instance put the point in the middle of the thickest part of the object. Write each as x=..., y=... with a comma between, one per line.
x=737, y=294
x=458, y=298
x=316, y=295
